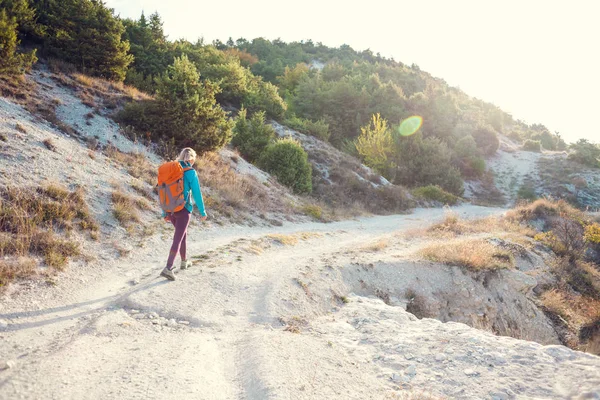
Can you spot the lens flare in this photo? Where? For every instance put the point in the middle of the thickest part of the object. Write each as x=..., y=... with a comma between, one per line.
x=410, y=125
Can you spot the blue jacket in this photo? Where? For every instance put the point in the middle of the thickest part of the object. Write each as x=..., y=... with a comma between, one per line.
x=191, y=184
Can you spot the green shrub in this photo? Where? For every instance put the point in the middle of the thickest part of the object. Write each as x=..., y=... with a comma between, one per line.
x=287, y=160
x=532, y=145
x=253, y=136
x=185, y=111
x=422, y=162
x=313, y=211
x=435, y=193
x=585, y=153
x=487, y=140
x=318, y=129
x=12, y=15
x=527, y=192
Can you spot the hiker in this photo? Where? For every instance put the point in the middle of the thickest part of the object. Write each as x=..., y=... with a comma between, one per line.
x=180, y=217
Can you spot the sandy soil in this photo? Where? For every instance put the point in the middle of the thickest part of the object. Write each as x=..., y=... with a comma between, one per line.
x=248, y=321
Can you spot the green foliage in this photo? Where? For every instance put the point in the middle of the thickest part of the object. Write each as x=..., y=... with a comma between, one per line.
x=291, y=77
x=585, y=153
x=150, y=50
x=319, y=129
x=527, y=192
x=185, y=111
x=264, y=96
x=14, y=14
x=375, y=145
x=252, y=136
x=487, y=140
x=287, y=160
x=532, y=145
x=84, y=33
x=421, y=162
x=435, y=193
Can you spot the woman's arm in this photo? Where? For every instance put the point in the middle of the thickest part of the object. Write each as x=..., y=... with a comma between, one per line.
x=196, y=192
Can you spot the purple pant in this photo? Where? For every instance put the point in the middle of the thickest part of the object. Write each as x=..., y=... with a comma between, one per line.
x=180, y=221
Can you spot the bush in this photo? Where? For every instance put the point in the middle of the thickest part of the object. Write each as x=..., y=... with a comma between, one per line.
x=532, y=145
x=85, y=33
x=318, y=129
x=11, y=62
x=435, y=193
x=185, y=111
x=252, y=137
x=423, y=162
x=287, y=160
x=585, y=153
x=487, y=140
x=527, y=192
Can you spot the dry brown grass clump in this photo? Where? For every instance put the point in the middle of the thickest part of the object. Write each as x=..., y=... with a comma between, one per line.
x=137, y=164
x=30, y=224
x=292, y=240
x=376, y=246
x=474, y=254
x=126, y=208
x=544, y=209
x=230, y=191
x=453, y=226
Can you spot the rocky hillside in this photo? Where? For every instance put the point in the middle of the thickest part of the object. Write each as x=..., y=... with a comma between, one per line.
x=516, y=174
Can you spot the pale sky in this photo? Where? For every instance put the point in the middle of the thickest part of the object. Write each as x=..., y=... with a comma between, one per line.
x=538, y=60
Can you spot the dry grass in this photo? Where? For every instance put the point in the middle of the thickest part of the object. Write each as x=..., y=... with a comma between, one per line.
x=376, y=246
x=544, y=209
x=474, y=254
x=143, y=189
x=31, y=221
x=453, y=226
x=126, y=207
x=230, y=192
x=575, y=309
x=19, y=268
x=20, y=128
x=292, y=240
x=137, y=164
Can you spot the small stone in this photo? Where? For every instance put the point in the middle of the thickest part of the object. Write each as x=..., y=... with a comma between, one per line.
x=6, y=365
x=409, y=356
x=139, y=316
x=231, y=313
x=499, y=396
x=396, y=378
x=440, y=357
x=411, y=370
x=153, y=315
x=134, y=311
x=135, y=282
x=183, y=322
x=172, y=323
x=470, y=372
x=3, y=324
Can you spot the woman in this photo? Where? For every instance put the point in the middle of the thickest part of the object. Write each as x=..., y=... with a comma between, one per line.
x=181, y=219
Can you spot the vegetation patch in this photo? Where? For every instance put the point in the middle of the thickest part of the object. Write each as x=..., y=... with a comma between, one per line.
x=126, y=208
x=32, y=222
x=435, y=193
x=474, y=254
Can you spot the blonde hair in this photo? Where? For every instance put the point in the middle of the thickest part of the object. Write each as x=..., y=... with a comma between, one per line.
x=186, y=154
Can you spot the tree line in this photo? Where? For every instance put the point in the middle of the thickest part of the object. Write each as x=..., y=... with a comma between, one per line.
x=353, y=99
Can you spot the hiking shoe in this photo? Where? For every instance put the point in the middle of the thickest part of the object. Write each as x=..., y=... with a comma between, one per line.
x=167, y=273
x=185, y=264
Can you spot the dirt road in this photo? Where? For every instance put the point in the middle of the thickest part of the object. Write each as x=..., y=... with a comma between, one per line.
x=250, y=321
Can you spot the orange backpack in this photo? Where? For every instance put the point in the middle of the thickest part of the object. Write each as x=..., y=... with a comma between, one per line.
x=170, y=186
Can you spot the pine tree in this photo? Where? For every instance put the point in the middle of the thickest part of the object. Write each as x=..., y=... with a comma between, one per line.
x=13, y=15
x=186, y=109
x=85, y=33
